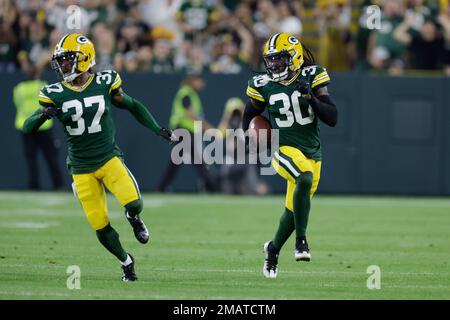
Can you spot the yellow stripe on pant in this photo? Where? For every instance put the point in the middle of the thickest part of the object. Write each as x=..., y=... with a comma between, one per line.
x=290, y=162
x=90, y=189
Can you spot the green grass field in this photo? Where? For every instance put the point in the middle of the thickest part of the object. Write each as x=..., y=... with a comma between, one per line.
x=210, y=247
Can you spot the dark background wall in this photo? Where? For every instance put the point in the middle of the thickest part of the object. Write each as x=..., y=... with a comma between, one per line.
x=393, y=135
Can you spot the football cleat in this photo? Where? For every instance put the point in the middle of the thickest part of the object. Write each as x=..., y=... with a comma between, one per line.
x=128, y=271
x=302, y=251
x=140, y=230
x=270, y=268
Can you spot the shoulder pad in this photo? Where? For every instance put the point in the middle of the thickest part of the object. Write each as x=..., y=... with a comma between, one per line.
x=110, y=78
x=259, y=81
x=318, y=75
x=49, y=93
x=255, y=86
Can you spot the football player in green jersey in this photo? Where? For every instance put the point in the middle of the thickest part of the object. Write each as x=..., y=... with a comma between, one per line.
x=83, y=102
x=294, y=92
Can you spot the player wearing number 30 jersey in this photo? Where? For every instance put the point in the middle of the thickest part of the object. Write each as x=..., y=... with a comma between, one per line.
x=294, y=92
x=83, y=102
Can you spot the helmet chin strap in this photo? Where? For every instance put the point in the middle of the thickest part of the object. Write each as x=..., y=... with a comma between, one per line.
x=280, y=76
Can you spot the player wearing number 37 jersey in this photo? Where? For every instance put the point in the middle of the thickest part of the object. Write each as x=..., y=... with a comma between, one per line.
x=294, y=92
x=83, y=102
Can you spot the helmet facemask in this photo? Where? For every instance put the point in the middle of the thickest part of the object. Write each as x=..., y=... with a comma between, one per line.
x=65, y=64
x=277, y=65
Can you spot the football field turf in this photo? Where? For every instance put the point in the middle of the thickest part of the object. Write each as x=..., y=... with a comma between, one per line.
x=210, y=247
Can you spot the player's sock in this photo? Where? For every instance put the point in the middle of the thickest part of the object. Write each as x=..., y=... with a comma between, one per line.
x=302, y=203
x=127, y=261
x=132, y=211
x=134, y=208
x=109, y=238
x=285, y=229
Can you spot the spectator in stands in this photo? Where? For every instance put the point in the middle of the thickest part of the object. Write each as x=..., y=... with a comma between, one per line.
x=384, y=51
x=333, y=23
x=60, y=16
x=362, y=35
x=161, y=13
x=235, y=49
x=8, y=38
x=416, y=13
x=267, y=18
x=104, y=41
x=289, y=19
x=133, y=32
x=426, y=47
x=191, y=58
x=194, y=17
x=163, y=51
x=25, y=99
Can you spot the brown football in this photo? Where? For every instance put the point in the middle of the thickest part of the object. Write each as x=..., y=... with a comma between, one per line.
x=260, y=123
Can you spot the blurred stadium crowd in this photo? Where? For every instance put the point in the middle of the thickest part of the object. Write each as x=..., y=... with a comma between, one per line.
x=226, y=36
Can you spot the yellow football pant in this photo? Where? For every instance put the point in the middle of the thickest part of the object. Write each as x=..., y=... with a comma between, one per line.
x=90, y=190
x=289, y=163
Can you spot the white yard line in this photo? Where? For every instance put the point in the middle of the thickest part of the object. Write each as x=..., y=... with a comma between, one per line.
x=28, y=225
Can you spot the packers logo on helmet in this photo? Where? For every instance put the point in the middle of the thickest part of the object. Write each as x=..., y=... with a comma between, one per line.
x=282, y=53
x=74, y=54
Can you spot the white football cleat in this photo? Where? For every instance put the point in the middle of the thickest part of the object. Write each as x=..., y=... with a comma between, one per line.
x=270, y=268
x=302, y=251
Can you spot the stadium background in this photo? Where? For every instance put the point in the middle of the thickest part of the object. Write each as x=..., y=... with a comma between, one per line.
x=392, y=136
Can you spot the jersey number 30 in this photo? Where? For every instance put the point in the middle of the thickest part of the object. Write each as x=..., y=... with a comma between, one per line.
x=77, y=116
x=286, y=110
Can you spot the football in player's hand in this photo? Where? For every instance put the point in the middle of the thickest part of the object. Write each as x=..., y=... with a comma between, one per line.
x=260, y=127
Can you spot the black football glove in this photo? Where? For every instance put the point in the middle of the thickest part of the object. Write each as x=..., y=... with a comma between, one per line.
x=168, y=135
x=304, y=88
x=49, y=113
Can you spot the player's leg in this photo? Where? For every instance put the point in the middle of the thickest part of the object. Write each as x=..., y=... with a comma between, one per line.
x=92, y=196
x=119, y=180
x=285, y=228
x=300, y=171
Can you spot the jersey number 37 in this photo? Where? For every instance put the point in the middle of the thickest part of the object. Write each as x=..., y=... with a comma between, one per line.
x=77, y=118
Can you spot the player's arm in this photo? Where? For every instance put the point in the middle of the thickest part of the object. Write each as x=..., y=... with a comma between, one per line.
x=320, y=101
x=253, y=108
x=121, y=100
x=401, y=33
x=47, y=111
x=33, y=123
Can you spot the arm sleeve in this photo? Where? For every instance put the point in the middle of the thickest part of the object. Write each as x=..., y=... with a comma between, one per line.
x=252, y=109
x=33, y=122
x=325, y=109
x=140, y=112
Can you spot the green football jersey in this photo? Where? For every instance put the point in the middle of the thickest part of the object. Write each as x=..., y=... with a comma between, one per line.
x=289, y=111
x=86, y=115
